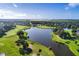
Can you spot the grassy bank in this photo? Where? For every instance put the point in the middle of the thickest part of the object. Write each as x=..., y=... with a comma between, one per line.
x=9, y=47
x=45, y=27
x=37, y=46
x=72, y=45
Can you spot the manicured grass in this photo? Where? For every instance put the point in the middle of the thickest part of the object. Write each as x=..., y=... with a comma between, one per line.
x=9, y=47
x=44, y=27
x=71, y=45
x=70, y=32
x=18, y=28
x=45, y=50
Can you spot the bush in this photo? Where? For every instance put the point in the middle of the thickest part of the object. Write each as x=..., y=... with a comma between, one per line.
x=50, y=48
x=32, y=43
x=75, y=42
x=2, y=33
x=78, y=50
x=38, y=54
x=27, y=36
x=55, y=30
x=67, y=42
x=20, y=33
x=25, y=51
x=40, y=50
x=18, y=44
x=21, y=51
x=29, y=50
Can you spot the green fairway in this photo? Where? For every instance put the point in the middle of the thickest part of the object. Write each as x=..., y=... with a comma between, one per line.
x=45, y=27
x=71, y=44
x=37, y=46
x=9, y=47
x=14, y=31
x=69, y=31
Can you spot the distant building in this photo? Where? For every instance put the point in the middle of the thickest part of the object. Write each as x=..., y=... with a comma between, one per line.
x=22, y=23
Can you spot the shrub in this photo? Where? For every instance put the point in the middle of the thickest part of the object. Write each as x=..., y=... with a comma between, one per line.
x=29, y=50
x=40, y=50
x=75, y=42
x=18, y=44
x=50, y=48
x=38, y=54
x=21, y=51
x=67, y=42
x=78, y=50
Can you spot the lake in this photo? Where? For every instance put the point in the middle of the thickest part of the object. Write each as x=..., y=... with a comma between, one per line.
x=44, y=37
x=77, y=32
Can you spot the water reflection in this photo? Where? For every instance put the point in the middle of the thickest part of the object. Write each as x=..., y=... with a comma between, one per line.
x=44, y=37
x=40, y=35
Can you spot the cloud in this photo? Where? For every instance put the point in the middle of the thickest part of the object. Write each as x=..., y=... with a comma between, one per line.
x=71, y=5
x=8, y=14
x=14, y=5
x=66, y=8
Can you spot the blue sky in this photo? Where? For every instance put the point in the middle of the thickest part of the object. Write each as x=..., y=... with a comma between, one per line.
x=39, y=11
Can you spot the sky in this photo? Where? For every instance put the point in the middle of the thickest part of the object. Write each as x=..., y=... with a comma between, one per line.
x=39, y=11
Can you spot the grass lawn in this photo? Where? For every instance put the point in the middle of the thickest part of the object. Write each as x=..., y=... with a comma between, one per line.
x=13, y=31
x=9, y=47
x=37, y=46
x=71, y=44
x=44, y=27
x=69, y=31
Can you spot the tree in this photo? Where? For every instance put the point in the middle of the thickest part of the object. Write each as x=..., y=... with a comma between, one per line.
x=74, y=32
x=2, y=33
x=20, y=34
x=24, y=50
x=69, y=26
x=40, y=50
x=65, y=35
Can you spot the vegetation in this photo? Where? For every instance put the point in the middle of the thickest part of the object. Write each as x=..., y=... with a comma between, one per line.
x=14, y=42
x=9, y=47
x=22, y=41
x=67, y=37
x=45, y=27
x=71, y=44
x=14, y=31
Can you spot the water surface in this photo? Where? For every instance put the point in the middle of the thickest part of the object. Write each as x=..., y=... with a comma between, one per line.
x=44, y=37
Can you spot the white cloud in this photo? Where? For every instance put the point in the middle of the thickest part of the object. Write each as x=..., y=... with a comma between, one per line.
x=71, y=5
x=8, y=14
x=14, y=5
x=66, y=8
